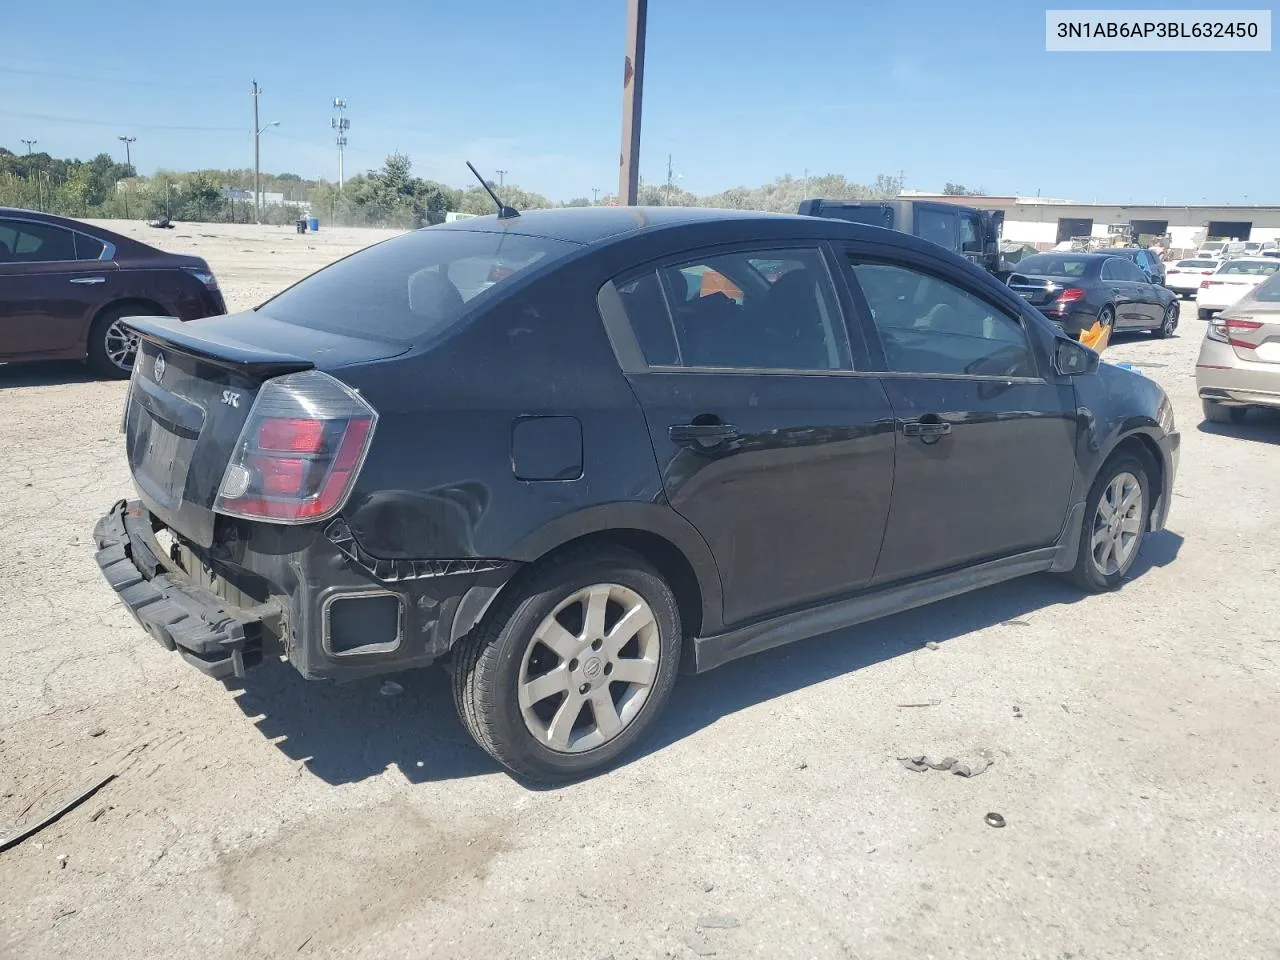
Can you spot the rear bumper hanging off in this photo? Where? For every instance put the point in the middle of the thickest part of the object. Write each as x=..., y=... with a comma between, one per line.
x=220, y=640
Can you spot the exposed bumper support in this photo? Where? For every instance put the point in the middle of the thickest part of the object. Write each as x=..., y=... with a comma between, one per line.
x=219, y=640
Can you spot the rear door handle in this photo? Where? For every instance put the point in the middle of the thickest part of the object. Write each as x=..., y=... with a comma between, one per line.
x=89, y=280
x=705, y=434
x=929, y=430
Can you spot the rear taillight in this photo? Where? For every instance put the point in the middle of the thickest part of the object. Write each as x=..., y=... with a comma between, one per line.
x=299, y=452
x=1205, y=284
x=1235, y=323
x=1070, y=295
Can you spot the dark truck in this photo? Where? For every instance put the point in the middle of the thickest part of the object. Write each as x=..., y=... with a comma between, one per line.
x=972, y=233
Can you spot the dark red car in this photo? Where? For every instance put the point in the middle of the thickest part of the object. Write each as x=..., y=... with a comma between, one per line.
x=65, y=285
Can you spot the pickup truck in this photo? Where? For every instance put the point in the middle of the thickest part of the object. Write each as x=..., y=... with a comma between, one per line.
x=968, y=231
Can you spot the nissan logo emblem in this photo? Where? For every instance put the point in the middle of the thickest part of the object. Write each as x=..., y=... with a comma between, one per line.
x=158, y=369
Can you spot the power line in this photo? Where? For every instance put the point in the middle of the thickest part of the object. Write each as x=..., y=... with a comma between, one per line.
x=114, y=81
x=113, y=123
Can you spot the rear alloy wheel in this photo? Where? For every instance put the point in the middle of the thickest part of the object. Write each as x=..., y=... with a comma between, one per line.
x=1216, y=412
x=1115, y=523
x=1170, y=322
x=112, y=346
x=565, y=676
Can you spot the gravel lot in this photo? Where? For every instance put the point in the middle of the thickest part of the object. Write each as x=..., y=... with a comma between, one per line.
x=1135, y=737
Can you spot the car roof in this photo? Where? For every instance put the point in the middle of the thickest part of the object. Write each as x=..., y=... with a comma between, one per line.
x=1072, y=254
x=1118, y=251
x=589, y=225
x=1267, y=260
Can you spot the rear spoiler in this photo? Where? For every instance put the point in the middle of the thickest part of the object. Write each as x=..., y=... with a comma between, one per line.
x=222, y=351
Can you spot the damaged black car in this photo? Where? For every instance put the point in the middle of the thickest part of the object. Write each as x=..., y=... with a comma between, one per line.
x=566, y=454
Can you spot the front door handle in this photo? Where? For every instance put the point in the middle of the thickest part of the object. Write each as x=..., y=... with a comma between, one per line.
x=89, y=280
x=929, y=430
x=703, y=434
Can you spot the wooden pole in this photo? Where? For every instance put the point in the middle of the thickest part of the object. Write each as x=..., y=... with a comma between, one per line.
x=632, y=95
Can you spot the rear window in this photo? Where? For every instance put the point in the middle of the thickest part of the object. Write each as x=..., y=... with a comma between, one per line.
x=1054, y=266
x=1269, y=290
x=1202, y=264
x=1254, y=267
x=415, y=285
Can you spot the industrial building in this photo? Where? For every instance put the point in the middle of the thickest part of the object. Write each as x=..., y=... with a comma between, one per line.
x=1045, y=222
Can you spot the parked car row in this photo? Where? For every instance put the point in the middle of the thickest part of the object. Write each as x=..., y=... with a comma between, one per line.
x=1232, y=280
x=65, y=287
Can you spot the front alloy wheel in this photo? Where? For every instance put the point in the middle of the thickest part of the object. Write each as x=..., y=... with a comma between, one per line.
x=1115, y=521
x=1117, y=525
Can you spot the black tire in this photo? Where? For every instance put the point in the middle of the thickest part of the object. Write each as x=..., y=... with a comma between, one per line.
x=1216, y=412
x=489, y=662
x=1170, y=321
x=1087, y=574
x=1204, y=314
x=104, y=341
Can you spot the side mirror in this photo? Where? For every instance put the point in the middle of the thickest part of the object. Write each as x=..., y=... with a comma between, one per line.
x=1071, y=359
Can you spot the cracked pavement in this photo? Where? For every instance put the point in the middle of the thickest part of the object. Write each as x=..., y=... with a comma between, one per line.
x=1137, y=774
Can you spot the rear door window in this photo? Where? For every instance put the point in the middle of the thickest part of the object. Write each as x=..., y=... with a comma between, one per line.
x=88, y=248
x=414, y=285
x=30, y=242
x=766, y=311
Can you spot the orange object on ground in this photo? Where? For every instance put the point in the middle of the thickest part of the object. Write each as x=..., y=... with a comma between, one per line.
x=1096, y=337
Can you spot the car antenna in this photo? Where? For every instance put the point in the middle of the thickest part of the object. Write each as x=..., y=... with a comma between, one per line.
x=504, y=212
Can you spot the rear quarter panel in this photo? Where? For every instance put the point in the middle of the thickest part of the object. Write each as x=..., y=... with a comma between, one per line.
x=440, y=481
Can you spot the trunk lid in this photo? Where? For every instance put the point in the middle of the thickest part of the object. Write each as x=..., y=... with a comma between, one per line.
x=192, y=389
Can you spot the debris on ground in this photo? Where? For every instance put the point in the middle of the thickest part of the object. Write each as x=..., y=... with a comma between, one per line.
x=699, y=946
x=931, y=703
x=1017, y=712
x=931, y=645
x=994, y=820
x=717, y=922
x=62, y=861
x=55, y=815
x=708, y=887
x=97, y=731
x=390, y=688
x=923, y=764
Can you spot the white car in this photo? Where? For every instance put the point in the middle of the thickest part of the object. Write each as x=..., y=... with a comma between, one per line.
x=1183, y=276
x=1211, y=248
x=1231, y=281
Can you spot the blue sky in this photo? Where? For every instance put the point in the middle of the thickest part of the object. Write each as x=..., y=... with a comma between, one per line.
x=738, y=91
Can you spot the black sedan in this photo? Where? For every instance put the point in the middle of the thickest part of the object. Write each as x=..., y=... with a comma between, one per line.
x=566, y=452
x=1081, y=290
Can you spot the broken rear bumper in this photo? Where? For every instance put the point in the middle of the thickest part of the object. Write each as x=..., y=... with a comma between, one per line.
x=219, y=640
x=310, y=594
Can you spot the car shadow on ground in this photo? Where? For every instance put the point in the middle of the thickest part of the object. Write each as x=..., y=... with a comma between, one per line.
x=350, y=732
x=46, y=373
x=1259, y=425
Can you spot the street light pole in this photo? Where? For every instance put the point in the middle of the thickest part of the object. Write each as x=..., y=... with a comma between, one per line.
x=257, y=169
x=257, y=133
x=502, y=176
x=632, y=96
x=39, y=189
x=128, y=162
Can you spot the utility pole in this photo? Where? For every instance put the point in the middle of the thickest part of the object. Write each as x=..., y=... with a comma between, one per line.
x=502, y=176
x=128, y=162
x=632, y=99
x=39, y=188
x=341, y=124
x=595, y=196
x=666, y=199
